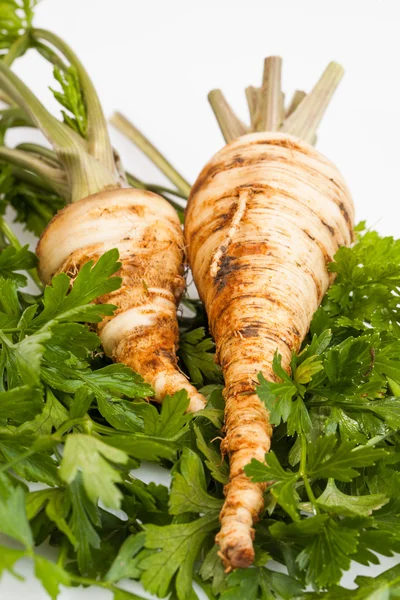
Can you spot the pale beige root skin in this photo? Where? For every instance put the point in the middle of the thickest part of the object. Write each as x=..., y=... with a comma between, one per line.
x=144, y=330
x=264, y=219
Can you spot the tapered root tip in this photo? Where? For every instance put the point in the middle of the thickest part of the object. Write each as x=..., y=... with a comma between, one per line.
x=239, y=556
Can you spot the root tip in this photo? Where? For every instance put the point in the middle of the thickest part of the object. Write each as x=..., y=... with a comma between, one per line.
x=240, y=556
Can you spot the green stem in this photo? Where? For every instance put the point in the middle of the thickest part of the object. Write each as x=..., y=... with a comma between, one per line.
x=63, y=554
x=131, y=132
x=303, y=472
x=379, y=438
x=88, y=581
x=69, y=425
x=152, y=187
x=10, y=235
x=42, y=151
x=32, y=179
x=17, y=49
x=160, y=189
x=53, y=176
x=298, y=97
x=98, y=138
x=4, y=339
x=16, y=460
x=51, y=56
x=98, y=428
x=103, y=584
x=14, y=117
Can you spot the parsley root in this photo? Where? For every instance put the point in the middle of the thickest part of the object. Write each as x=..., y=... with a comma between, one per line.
x=103, y=213
x=264, y=219
x=143, y=332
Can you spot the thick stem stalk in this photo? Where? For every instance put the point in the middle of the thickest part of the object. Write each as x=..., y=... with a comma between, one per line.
x=18, y=48
x=141, y=185
x=304, y=121
x=51, y=56
x=253, y=96
x=53, y=176
x=231, y=126
x=298, y=97
x=14, y=117
x=271, y=96
x=32, y=179
x=46, y=153
x=128, y=129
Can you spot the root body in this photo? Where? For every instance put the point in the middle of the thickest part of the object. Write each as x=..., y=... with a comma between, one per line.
x=264, y=219
x=143, y=333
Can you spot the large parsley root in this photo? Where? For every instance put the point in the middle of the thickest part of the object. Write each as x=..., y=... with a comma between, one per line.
x=104, y=213
x=264, y=219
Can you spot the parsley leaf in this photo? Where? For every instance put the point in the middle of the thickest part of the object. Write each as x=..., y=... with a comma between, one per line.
x=33, y=203
x=260, y=584
x=83, y=523
x=12, y=260
x=188, y=491
x=215, y=463
x=282, y=482
x=125, y=564
x=326, y=460
x=56, y=504
x=177, y=545
x=70, y=305
x=51, y=575
x=334, y=501
x=91, y=457
x=71, y=97
x=195, y=351
x=8, y=558
x=277, y=396
x=13, y=519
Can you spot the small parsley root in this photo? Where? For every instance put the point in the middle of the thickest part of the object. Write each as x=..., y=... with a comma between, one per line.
x=102, y=212
x=264, y=219
x=143, y=332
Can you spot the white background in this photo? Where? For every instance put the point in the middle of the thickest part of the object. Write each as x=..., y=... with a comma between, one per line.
x=156, y=60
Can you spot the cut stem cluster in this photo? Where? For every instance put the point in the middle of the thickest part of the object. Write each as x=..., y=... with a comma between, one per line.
x=266, y=105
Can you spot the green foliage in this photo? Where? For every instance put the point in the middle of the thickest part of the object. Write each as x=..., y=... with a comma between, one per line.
x=176, y=549
x=15, y=18
x=71, y=98
x=195, y=351
x=12, y=260
x=13, y=519
x=34, y=205
x=77, y=425
x=260, y=584
x=90, y=456
x=385, y=586
x=188, y=491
